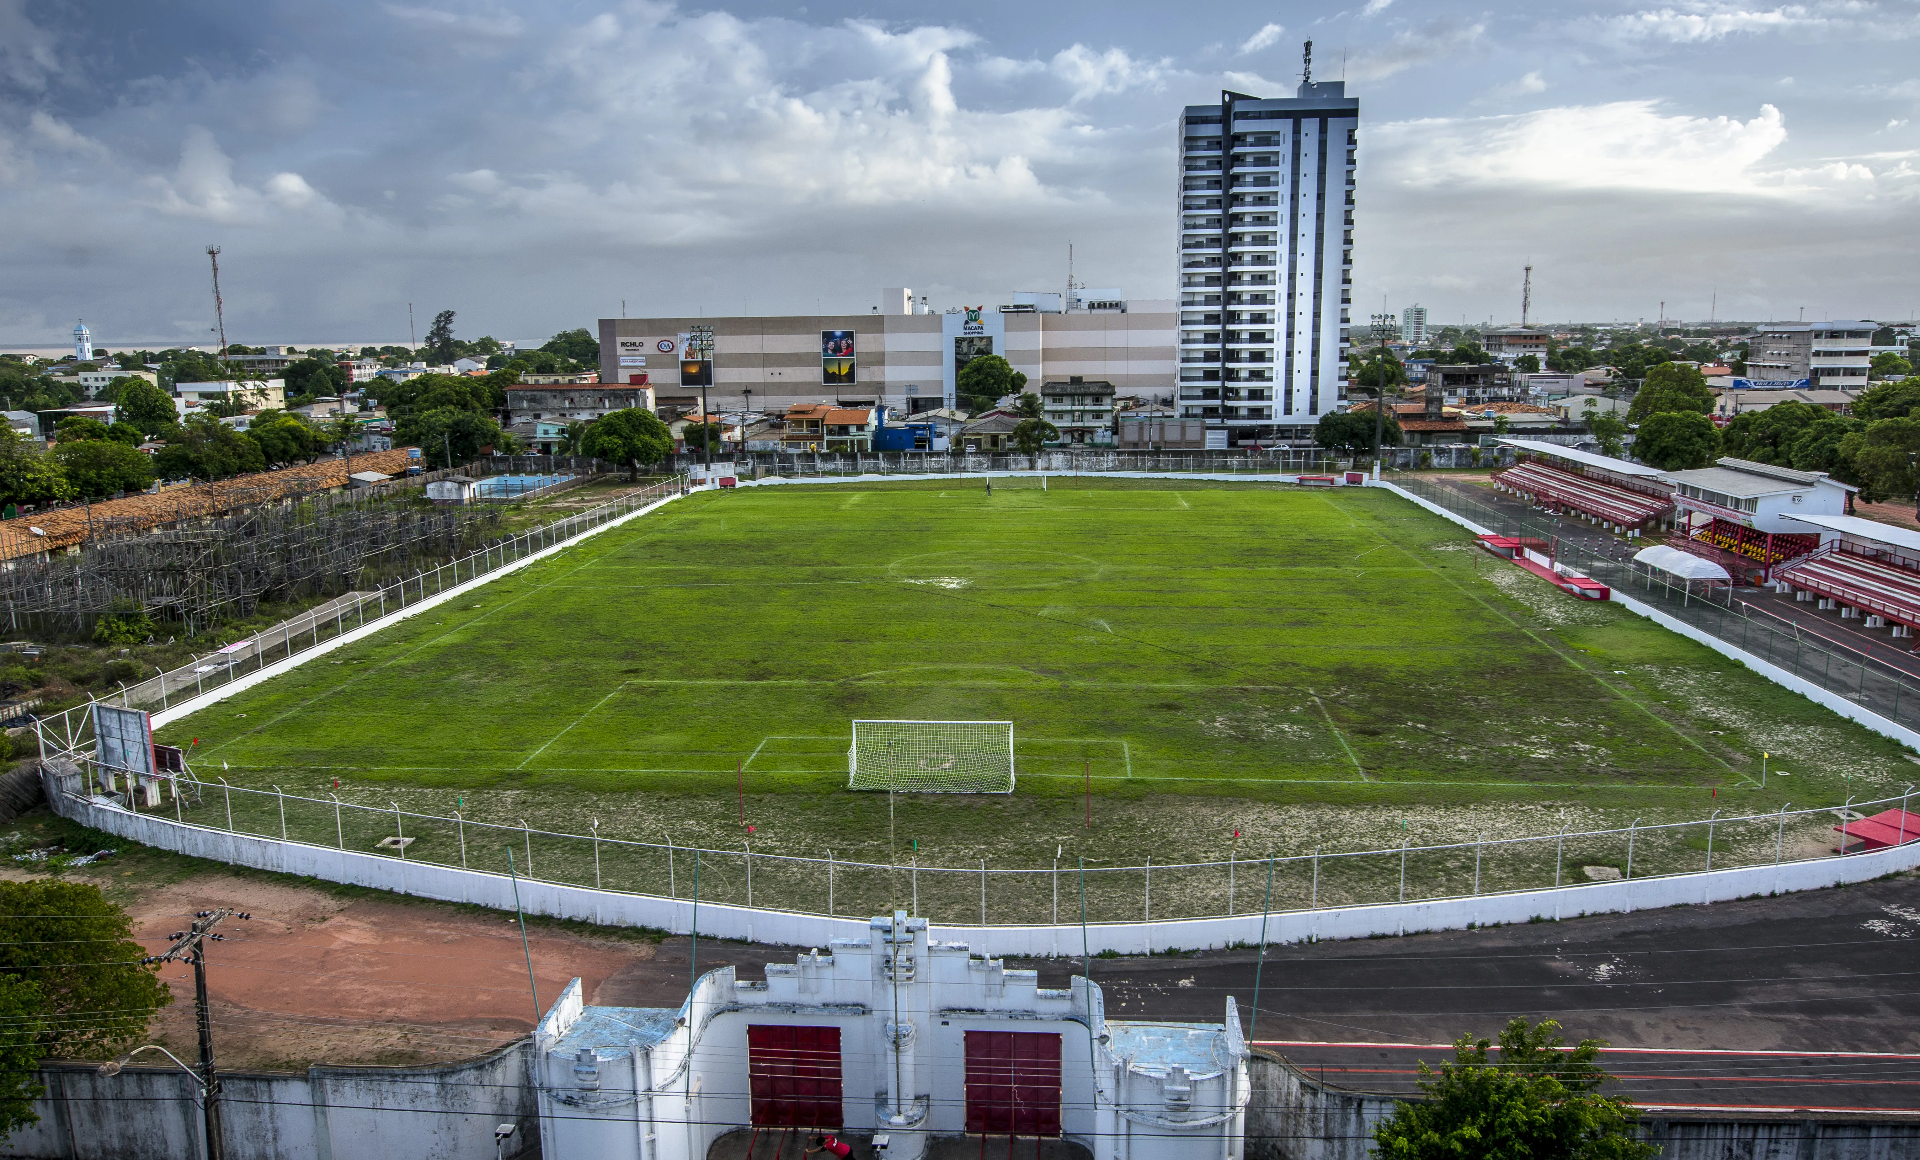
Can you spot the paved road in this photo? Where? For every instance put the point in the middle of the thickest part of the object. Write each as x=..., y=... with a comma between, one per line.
x=1828, y=980
x=1722, y=1081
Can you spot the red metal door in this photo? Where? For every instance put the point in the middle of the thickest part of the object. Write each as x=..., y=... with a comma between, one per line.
x=1013, y=1083
x=794, y=1076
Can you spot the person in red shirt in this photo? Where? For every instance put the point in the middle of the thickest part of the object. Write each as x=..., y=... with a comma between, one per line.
x=829, y=1145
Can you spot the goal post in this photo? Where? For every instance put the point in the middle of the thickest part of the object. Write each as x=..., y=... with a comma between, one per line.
x=931, y=756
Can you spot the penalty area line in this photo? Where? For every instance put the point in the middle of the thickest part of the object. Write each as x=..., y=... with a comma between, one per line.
x=571, y=724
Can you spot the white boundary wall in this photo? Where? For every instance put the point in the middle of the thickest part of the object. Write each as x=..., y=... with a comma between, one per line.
x=1779, y=676
x=615, y=908
x=383, y=872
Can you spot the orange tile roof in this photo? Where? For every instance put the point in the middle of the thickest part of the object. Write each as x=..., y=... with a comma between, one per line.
x=70, y=526
x=850, y=416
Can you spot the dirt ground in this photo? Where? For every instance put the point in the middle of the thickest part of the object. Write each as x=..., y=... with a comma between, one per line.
x=316, y=977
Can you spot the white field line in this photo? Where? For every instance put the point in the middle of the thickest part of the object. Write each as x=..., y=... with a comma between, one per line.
x=286, y=665
x=572, y=723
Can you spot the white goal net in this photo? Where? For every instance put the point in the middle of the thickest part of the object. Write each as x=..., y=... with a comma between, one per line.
x=932, y=756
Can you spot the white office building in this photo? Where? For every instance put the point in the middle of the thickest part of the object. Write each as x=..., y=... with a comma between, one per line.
x=1266, y=262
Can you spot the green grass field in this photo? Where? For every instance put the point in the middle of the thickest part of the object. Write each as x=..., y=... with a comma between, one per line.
x=1249, y=647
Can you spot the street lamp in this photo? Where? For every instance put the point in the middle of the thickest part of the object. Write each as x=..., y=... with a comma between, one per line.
x=200, y=1083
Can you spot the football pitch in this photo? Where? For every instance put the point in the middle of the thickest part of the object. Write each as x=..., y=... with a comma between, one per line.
x=1146, y=637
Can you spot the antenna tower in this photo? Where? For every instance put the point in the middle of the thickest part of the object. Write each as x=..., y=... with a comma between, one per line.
x=219, y=309
x=1526, y=295
x=1306, y=64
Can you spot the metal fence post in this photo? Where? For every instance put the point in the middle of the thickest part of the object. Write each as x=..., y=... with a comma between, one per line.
x=596, y=853
x=527, y=832
x=283, y=811
x=226, y=791
x=339, y=831
x=1403, y=869
x=673, y=891
x=400, y=835
x=749, y=845
x=1478, y=845
x=983, y=892
x=830, y=911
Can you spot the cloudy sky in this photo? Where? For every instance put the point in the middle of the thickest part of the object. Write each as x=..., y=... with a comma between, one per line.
x=531, y=165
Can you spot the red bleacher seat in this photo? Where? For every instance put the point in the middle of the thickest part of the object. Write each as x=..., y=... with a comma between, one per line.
x=1594, y=497
x=1859, y=581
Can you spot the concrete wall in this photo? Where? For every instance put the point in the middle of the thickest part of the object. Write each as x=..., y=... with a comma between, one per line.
x=445, y=1112
x=1292, y=1116
x=616, y=908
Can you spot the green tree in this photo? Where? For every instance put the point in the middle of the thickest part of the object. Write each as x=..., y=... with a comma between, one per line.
x=78, y=428
x=1381, y=370
x=1538, y=1103
x=633, y=436
x=577, y=346
x=28, y=474
x=1527, y=364
x=1032, y=434
x=1605, y=426
x=146, y=406
x=985, y=380
x=1768, y=436
x=283, y=438
x=1677, y=441
x=440, y=342
x=312, y=377
x=700, y=436
x=1887, y=364
x=1671, y=387
x=1029, y=406
x=77, y=950
x=208, y=449
x=450, y=429
x=570, y=442
x=100, y=467
x=1351, y=432
x=23, y=1021
x=1573, y=358
x=1879, y=457
x=1888, y=400
x=1819, y=447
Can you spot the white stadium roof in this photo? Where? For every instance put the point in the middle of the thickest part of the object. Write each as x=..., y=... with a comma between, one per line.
x=1683, y=564
x=1603, y=462
x=1892, y=535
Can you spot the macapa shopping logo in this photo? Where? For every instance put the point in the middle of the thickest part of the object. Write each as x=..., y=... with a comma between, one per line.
x=973, y=315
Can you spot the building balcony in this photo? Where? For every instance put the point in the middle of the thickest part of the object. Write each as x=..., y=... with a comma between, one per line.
x=1200, y=280
x=1199, y=376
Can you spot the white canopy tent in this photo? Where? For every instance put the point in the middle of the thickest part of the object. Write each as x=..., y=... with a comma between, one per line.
x=1684, y=565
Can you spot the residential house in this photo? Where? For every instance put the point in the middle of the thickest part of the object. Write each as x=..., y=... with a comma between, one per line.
x=805, y=427
x=540, y=436
x=1509, y=343
x=990, y=431
x=1738, y=402
x=579, y=401
x=91, y=382
x=251, y=394
x=1464, y=386
x=1512, y=418
x=729, y=433
x=1081, y=409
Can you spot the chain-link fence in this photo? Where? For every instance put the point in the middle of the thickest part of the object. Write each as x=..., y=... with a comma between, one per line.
x=987, y=895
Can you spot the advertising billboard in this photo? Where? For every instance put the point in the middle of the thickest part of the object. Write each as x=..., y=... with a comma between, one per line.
x=123, y=739
x=696, y=372
x=970, y=347
x=837, y=359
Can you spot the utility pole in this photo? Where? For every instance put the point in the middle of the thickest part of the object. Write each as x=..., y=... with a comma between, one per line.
x=412, y=345
x=1526, y=295
x=219, y=310
x=190, y=944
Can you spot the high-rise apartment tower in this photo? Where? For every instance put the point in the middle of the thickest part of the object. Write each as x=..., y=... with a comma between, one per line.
x=1266, y=261
x=1413, y=325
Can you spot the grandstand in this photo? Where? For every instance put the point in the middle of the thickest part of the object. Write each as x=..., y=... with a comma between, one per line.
x=1740, y=513
x=1870, y=567
x=1624, y=496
